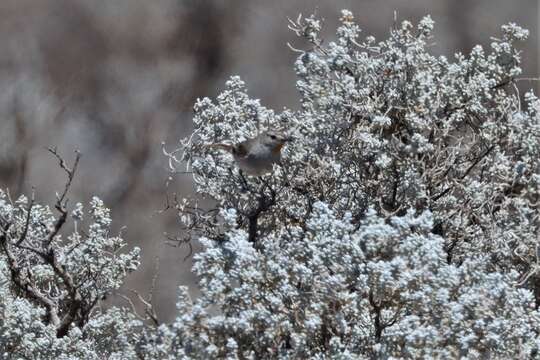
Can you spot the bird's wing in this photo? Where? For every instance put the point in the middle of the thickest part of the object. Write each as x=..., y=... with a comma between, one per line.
x=242, y=149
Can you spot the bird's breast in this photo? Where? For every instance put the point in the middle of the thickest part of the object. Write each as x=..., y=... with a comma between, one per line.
x=277, y=149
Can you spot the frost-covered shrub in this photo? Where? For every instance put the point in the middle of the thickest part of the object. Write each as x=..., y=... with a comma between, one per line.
x=378, y=288
x=51, y=284
x=402, y=221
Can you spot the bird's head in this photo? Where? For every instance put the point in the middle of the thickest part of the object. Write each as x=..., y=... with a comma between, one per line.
x=274, y=139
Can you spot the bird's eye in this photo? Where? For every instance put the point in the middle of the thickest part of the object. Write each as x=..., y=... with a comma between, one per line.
x=273, y=137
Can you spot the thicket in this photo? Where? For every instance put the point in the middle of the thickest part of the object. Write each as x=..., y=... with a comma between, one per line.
x=402, y=222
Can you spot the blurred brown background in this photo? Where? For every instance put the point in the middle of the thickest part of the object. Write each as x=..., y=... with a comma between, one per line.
x=115, y=78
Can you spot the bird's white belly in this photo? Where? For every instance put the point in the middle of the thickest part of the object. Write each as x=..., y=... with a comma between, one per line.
x=257, y=164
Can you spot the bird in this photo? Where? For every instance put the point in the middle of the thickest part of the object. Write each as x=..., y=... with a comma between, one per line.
x=256, y=156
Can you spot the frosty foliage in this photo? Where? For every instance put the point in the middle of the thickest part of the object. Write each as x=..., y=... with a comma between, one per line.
x=402, y=222
x=52, y=287
x=52, y=283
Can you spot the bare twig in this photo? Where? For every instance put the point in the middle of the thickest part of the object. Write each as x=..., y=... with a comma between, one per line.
x=154, y=280
x=24, y=284
x=469, y=169
x=70, y=172
x=177, y=241
x=149, y=309
x=527, y=79
x=132, y=306
x=264, y=203
x=60, y=203
x=27, y=222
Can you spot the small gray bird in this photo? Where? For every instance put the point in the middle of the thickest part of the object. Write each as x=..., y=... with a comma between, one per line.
x=257, y=156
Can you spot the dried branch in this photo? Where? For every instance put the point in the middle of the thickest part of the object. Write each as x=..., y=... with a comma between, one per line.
x=149, y=308
x=60, y=203
x=24, y=284
x=264, y=203
x=27, y=222
x=469, y=169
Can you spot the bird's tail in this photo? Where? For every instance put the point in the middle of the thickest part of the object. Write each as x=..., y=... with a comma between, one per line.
x=226, y=147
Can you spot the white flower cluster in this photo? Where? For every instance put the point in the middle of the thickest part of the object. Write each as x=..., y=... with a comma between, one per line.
x=402, y=221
